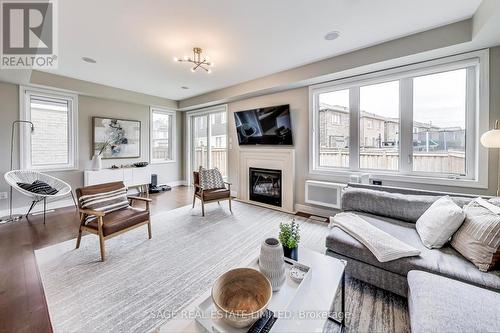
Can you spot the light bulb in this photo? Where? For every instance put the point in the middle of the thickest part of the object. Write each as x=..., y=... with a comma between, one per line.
x=207, y=58
x=186, y=57
x=212, y=64
x=209, y=71
x=192, y=69
x=176, y=59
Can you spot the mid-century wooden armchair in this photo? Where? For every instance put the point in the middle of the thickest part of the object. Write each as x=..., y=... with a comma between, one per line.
x=108, y=225
x=212, y=195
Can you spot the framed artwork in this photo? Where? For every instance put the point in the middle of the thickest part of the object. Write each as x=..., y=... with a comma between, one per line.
x=116, y=138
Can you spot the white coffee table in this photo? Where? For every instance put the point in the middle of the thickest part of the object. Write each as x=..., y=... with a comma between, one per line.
x=309, y=310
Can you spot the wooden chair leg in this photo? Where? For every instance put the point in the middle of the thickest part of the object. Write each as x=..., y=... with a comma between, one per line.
x=149, y=229
x=230, y=209
x=202, y=208
x=194, y=199
x=103, y=249
x=79, y=239
x=101, y=239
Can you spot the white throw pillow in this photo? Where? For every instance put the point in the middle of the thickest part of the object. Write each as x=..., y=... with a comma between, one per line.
x=439, y=222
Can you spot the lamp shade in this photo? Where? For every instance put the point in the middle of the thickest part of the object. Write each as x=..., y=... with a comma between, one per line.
x=491, y=139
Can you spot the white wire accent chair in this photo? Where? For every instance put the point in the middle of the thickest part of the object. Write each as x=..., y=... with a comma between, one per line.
x=29, y=176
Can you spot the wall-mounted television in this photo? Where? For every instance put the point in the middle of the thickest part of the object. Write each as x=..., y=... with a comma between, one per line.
x=264, y=126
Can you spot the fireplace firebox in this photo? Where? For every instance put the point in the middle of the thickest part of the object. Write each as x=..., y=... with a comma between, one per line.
x=265, y=186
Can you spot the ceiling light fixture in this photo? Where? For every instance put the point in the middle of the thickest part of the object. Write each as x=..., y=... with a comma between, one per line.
x=89, y=60
x=332, y=35
x=197, y=60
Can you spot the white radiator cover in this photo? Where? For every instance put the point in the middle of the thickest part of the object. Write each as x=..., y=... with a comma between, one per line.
x=324, y=194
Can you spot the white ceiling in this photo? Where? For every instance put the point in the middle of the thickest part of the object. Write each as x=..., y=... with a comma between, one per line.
x=134, y=41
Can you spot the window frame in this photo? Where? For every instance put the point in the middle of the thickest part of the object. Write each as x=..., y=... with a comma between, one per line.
x=172, y=134
x=25, y=94
x=477, y=121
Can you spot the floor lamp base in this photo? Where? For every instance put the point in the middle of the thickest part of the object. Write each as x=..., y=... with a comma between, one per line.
x=10, y=218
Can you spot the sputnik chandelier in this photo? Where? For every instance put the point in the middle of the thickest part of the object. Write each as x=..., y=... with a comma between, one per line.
x=199, y=62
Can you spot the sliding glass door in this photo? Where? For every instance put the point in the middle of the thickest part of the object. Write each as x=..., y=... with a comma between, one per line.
x=208, y=144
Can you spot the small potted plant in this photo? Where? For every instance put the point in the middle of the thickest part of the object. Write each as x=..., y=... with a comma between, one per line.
x=289, y=237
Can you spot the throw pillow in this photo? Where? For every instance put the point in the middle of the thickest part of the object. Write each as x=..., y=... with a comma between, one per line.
x=439, y=222
x=38, y=187
x=211, y=179
x=106, y=202
x=478, y=239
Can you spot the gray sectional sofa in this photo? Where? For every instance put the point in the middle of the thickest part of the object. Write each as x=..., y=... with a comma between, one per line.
x=439, y=304
x=395, y=211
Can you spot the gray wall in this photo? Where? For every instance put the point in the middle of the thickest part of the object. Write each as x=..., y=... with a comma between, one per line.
x=87, y=108
x=299, y=104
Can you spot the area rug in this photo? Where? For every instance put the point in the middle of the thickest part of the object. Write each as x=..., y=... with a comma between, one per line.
x=145, y=282
x=142, y=278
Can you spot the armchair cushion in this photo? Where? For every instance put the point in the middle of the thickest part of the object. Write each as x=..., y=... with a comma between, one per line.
x=221, y=193
x=211, y=179
x=120, y=219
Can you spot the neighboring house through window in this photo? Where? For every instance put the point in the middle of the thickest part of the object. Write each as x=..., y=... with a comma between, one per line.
x=162, y=135
x=53, y=143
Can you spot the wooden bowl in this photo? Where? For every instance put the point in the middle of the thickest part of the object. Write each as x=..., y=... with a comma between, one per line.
x=242, y=295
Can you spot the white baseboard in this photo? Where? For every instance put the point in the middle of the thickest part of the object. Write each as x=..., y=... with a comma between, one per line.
x=66, y=202
x=234, y=194
x=176, y=183
x=315, y=210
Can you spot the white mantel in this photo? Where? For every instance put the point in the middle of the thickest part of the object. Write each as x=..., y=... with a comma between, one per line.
x=268, y=158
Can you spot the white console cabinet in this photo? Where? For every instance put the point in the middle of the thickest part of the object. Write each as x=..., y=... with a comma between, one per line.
x=131, y=177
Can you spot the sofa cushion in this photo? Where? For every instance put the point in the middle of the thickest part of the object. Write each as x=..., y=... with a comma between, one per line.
x=439, y=304
x=478, y=239
x=403, y=207
x=445, y=261
x=436, y=226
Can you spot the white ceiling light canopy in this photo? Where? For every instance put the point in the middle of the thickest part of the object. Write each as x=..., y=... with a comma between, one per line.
x=199, y=62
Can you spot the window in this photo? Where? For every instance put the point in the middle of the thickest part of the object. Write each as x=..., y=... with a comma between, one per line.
x=162, y=136
x=207, y=145
x=334, y=127
x=379, y=105
x=439, y=116
x=52, y=144
x=417, y=123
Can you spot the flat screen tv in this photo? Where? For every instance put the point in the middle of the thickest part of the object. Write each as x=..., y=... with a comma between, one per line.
x=265, y=126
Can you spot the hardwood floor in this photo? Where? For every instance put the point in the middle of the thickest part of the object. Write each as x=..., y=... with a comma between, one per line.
x=22, y=301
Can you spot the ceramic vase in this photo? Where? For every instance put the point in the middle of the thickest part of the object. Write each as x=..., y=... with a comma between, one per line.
x=271, y=262
x=96, y=163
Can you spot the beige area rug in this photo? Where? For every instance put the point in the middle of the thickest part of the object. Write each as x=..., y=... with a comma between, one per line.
x=142, y=277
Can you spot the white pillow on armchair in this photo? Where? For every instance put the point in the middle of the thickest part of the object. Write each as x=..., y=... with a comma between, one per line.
x=439, y=222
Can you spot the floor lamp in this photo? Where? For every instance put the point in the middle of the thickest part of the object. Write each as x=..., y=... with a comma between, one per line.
x=491, y=139
x=16, y=217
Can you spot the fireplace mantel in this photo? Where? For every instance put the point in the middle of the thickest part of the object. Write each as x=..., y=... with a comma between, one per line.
x=268, y=158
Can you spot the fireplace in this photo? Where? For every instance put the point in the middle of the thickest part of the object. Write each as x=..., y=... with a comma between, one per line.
x=265, y=186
